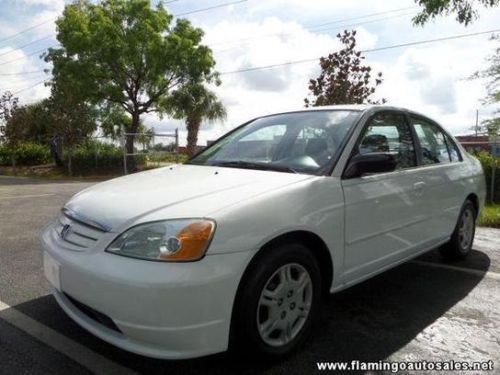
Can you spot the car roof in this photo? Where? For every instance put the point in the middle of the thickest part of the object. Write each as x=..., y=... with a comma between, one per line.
x=358, y=107
x=349, y=107
x=362, y=108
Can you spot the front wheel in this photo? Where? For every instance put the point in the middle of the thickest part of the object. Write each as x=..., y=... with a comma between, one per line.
x=460, y=243
x=278, y=301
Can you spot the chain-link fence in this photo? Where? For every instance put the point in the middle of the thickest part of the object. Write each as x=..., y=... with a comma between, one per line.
x=94, y=155
x=151, y=150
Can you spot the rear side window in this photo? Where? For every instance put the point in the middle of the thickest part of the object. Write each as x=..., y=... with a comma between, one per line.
x=433, y=144
x=453, y=149
x=388, y=132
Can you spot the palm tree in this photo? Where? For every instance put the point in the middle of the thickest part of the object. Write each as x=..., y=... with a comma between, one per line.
x=195, y=103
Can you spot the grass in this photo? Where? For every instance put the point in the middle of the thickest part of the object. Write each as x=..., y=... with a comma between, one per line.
x=50, y=171
x=490, y=216
x=167, y=158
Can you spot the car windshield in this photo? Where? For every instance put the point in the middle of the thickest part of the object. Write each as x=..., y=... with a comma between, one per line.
x=300, y=142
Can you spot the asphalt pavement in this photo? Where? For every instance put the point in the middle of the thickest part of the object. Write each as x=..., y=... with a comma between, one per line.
x=422, y=310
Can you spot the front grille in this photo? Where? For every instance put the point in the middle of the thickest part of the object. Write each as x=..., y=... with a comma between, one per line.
x=78, y=235
x=94, y=314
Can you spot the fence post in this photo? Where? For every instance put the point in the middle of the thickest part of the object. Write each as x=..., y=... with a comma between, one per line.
x=96, y=156
x=70, y=170
x=62, y=150
x=124, y=145
x=13, y=162
x=177, y=145
x=492, y=185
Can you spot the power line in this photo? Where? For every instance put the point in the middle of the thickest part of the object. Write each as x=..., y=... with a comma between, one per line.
x=22, y=57
x=51, y=36
x=22, y=73
x=29, y=87
x=317, y=58
x=451, y=37
x=19, y=83
x=27, y=29
x=329, y=28
x=311, y=27
x=16, y=80
x=363, y=51
x=210, y=8
x=224, y=50
x=361, y=17
x=366, y=22
x=26, y=45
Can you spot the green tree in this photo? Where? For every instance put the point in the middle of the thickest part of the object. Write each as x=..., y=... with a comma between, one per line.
x=195, y=103
x=74, y=121
x=114, y=123
x=8, y=105
x=492, y=76
x=29, y=123
x=464, y=9
x=126, y=53
x=343, y=79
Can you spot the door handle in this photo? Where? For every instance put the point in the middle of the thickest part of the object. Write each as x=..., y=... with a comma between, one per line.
x=419, y=187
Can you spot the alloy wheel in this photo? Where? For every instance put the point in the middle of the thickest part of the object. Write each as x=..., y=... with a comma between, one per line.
x=466, y=229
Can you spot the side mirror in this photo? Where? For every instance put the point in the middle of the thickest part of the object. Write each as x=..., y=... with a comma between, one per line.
x=375, y=162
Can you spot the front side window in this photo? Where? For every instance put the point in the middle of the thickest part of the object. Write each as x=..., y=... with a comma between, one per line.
x=434, y=149
x=301, y=142
x=388, y=132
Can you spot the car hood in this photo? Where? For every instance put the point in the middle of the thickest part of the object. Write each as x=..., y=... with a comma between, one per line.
x=174, y=192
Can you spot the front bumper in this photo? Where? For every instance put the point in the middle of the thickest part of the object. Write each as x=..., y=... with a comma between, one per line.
x=161, y=310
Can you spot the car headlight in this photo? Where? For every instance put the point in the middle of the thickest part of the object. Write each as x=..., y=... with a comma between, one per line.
x=169, y=240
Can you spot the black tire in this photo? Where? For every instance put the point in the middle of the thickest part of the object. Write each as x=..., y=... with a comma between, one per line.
x=246, y=339
x=458, y=248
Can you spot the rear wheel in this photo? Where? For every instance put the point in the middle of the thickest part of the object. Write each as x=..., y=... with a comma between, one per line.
x=278, y=301
x=460, y=243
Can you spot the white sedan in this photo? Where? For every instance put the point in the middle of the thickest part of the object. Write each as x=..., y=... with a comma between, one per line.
x=237, y=247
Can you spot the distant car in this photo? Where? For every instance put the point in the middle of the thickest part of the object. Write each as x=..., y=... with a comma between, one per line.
x=237, y=247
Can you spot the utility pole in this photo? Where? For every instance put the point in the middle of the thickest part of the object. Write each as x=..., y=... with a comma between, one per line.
x=477, y=121
x=493, y=170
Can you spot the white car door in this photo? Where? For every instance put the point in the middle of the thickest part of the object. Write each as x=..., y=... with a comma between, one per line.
x=442, y=171
x=382, y=211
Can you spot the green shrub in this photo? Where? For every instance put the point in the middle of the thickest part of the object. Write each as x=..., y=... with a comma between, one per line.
x=26, y=153
x=488, y=162
x=490, y=216
x=5, y=155
x=94, y=157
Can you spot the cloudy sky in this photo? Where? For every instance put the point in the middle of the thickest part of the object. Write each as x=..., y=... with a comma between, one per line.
x=430, y=78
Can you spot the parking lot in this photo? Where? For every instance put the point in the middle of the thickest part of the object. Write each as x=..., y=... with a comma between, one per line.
x=422, y=310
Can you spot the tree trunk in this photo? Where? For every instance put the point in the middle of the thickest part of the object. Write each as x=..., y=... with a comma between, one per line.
x=129, y=144
x=129, y=148
x=193, y=126
x=13, y=162
x=70, y=166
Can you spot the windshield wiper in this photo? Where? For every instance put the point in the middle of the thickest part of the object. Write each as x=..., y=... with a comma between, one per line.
x=254, y=165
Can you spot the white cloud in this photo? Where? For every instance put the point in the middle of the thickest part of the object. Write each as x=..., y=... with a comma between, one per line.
x=267, y=80
x=428, y=78
x=15, y=80
x=440, y=93
x=432, y=79
x=251, y=94
x=56, y=5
